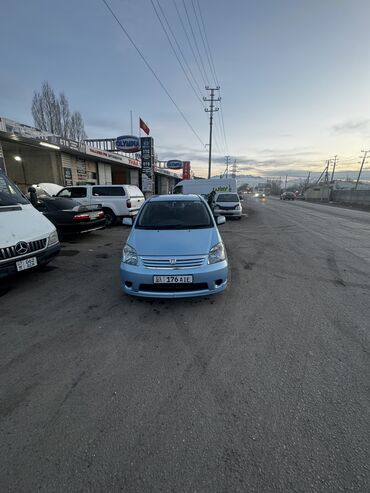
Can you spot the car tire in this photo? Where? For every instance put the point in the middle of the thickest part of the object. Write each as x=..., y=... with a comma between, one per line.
x=110, y=218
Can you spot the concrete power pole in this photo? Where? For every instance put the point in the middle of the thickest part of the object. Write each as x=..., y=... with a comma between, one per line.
x=227, y=161
x=362, y=165
x=212, y=108
x=234, y=169
x=334, y=165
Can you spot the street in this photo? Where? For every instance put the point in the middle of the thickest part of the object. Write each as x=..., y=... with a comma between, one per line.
x=262, y=388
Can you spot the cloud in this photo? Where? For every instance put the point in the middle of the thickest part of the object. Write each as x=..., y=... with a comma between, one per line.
x=356, y=125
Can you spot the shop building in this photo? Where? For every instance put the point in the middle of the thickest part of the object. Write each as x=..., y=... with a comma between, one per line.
x=31, y=156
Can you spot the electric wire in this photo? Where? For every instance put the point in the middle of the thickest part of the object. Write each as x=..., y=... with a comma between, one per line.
x=195, y=42
x=174, y=50
x=153, y=72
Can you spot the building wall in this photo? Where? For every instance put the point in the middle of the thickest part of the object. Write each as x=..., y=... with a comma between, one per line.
x=318, y=193
x=35, y=167
x=357, y=197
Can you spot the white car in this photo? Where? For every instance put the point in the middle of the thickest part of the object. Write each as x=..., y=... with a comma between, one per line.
x=227, y=204
x=117, y=201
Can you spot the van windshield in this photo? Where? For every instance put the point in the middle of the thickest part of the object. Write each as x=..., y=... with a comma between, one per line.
x=174, y=214
x=9, y=193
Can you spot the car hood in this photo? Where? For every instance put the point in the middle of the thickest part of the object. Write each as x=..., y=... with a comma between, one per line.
x=173, y=242
x=24, y=223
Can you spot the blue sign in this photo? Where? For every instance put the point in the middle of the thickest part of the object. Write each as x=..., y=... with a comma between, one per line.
x=174, y=164
x=128, y=143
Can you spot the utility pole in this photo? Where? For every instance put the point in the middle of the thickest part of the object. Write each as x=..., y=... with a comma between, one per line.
x=234, y=170
x=362, y=165
x=286, y=180
x=334, y=165
x=227, y=161
x=212, y=108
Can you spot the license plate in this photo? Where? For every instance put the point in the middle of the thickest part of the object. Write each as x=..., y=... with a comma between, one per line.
x=173, y=279
x=26, y=264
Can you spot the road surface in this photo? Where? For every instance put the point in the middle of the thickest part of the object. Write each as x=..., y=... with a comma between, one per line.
x=262, y=388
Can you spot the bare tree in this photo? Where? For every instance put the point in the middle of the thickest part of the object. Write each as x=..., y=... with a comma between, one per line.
x=77, y=126
x=53, y=115
x=65, y=116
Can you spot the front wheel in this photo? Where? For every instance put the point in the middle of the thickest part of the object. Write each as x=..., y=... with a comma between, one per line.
x=110, y=218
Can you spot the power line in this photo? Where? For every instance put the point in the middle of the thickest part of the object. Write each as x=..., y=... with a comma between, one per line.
x=153, y=72
x=202, y=38
x=190, y=44
x=207, y=49
x=207, y=42
x=206, y=81
x=173, y=48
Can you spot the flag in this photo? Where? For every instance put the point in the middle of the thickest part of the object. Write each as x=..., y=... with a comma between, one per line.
x=144, y=127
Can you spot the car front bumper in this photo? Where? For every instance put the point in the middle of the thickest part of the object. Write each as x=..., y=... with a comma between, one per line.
x=227, y=213
x=208, y=279
x=9, y=267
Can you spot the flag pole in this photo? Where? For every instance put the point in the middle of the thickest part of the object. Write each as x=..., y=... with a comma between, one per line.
x=131, y=121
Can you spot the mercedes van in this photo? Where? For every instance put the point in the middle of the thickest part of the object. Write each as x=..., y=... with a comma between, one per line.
x=27, y=238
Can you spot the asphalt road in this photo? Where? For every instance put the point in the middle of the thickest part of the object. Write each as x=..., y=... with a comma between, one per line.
x=262, y=388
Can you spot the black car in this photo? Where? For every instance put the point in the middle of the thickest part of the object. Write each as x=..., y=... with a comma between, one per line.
x=68, y=215
x=288, y=196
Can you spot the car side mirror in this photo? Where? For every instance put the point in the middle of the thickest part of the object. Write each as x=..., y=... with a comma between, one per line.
x=127, y=221
x=220, y=220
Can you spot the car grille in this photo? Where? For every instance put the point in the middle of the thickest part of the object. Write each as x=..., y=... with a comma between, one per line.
x=172, y=263
x=158, y=288
x=11, y=252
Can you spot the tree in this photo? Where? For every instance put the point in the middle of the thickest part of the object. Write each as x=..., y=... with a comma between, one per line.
x=53, y=115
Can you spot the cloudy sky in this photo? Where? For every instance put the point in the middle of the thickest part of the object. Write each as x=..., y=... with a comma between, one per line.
x=294, y=75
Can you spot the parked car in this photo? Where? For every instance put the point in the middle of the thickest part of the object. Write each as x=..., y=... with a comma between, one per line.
x=287, y=196
x=67, y=215
x=174, y=250
x=27, y=238
x=47, y=189
x=227, y=204
x=118, y=201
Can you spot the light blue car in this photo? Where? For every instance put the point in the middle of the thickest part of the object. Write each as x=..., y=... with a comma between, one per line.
x=174, y=250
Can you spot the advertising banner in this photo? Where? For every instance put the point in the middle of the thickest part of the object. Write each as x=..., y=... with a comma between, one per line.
x=186, y=170
x=147, y=163
x=67, y=172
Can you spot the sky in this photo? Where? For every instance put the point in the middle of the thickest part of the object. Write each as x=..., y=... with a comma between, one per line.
x=294, y=76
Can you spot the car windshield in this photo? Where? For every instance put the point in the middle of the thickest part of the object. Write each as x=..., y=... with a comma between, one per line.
x=174, y=214
x=9, y=193
x=227, y=197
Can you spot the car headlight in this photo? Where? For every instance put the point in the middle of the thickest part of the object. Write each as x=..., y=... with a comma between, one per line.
x=53, y=238
x=239, y=207
x=217, y=254
x=129, y=255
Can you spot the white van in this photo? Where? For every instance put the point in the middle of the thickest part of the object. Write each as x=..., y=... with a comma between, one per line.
x=27, y=238
x=205, y=187
x=117, y=201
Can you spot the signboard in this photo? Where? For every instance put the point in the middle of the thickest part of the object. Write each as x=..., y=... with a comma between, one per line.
x=174, y=164
x=67, y=172
x=111, y=156
x=186, y=170
x=147, y=163
x=81, y=170
x=128, y=143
